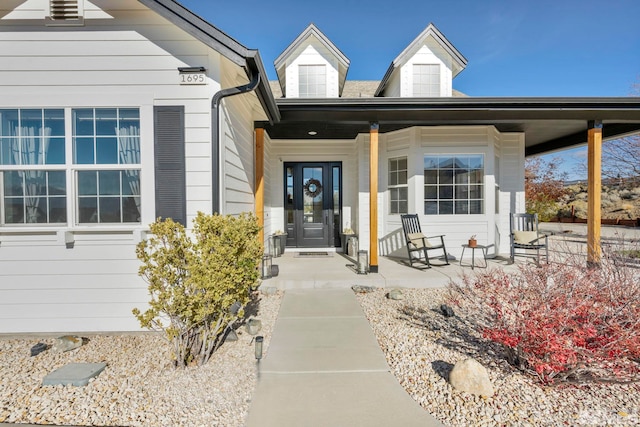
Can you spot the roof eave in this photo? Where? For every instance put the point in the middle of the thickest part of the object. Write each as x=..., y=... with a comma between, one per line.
x=234, y=51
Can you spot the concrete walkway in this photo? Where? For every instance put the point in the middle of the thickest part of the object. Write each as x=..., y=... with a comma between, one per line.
x=324, y=368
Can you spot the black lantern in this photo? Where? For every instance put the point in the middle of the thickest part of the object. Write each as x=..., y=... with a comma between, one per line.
x=267, y=261
x=259, y=340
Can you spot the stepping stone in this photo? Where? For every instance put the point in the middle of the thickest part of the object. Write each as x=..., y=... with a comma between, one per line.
x=77, y=374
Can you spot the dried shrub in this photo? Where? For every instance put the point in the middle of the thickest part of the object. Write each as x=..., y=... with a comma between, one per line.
x=195, y=279
x=560, y=321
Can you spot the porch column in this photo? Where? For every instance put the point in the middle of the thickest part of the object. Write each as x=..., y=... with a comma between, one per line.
x=594, y=182
x=373, y=197
x=259, y=188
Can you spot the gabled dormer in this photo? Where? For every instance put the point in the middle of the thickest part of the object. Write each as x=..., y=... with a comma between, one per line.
x=425, y=68
x=312, y=67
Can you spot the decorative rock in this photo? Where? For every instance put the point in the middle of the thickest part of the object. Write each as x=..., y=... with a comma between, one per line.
x=446, y=310
x=359, y=289
x=395, y=294
x=38, y=348
x=67, y=343
x=253, y=326
x=231, y=335
x=470, y=376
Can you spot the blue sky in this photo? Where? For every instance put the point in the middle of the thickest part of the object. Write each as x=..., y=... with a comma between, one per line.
x=513, y=47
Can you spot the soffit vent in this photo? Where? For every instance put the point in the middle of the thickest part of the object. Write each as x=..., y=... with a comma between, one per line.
x=65, y=12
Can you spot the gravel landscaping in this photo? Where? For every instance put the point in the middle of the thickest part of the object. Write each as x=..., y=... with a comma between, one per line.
x=139, y=387
x=421, y=346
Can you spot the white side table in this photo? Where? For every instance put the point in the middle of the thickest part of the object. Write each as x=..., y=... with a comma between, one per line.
x=483, y=248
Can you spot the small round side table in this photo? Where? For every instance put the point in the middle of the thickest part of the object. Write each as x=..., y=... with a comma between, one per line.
x=483, y=248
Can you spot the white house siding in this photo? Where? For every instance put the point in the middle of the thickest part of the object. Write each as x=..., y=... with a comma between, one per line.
x=282, y=151
x=313, y=53
x=128, y=60
x=270, y=226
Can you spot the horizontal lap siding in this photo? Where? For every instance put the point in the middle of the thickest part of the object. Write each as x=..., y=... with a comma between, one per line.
x=128, y=57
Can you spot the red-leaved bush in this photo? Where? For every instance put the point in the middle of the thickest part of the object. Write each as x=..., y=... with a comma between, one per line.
x=560, y=321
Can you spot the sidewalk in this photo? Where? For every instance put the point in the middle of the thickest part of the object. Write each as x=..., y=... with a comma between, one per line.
x=324, y=368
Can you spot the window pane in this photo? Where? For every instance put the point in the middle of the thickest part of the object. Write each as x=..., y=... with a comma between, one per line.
x=106, y=121
x=83, y=151
x=393, y=178
x=31, y=151
x=83, y=122
x=475, y=191
x=14, y=210
x=9, y=151
x=476, y=162
x=35, y=183
x=430, y=162
x=131, y=209
x=445, y=192
x=13, y=184
x=445, y=208
x=403, y=207
x=430, y=192
x=462, y=192
x=462, y=207
x=462, y=176
x=35, y=209
x=402, y=163
x=393, y=194
x=109, y=183
x=106, y=151
x=54, y=151
x=57, y=183
x=431, y=208
x=403, y=193
x=9, y=122
x=430, y=177
x=31, y=122
x=476, y=176
x=445, y=162
x=87, y=183
x=462, y=162
x=131, y=182
x=54, y=122
x=445, y=177
x=475, y=206
x=57, y=209
x=88, y=209
x=402, y=177
x=109, y=209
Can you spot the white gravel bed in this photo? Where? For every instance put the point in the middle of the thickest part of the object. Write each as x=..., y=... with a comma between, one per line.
x=139, y=387
x=421, y=346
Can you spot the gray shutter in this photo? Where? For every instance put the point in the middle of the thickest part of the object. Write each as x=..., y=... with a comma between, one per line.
x=171, y=198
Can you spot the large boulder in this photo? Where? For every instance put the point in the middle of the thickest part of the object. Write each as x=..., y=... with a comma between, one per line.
x=470, y=376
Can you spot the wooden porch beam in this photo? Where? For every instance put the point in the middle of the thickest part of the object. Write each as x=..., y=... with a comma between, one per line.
x=594, y=189
x=259, y=187
x=373, y=197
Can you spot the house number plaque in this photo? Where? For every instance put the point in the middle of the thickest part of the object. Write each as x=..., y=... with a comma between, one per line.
x=193, y=79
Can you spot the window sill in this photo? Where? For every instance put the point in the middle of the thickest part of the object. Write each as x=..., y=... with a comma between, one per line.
x=66, y=235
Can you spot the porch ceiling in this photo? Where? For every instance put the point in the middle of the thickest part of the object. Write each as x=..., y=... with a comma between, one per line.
x=548, y=123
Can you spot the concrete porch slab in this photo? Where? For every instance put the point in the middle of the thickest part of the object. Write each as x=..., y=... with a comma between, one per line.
x=76, y=374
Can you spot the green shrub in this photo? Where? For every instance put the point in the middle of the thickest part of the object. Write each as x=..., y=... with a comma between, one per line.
x=194, y=279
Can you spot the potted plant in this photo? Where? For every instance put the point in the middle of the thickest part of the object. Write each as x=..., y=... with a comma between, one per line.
x=473, y=242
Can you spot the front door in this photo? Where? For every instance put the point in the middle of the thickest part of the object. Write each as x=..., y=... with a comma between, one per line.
x=313, y=203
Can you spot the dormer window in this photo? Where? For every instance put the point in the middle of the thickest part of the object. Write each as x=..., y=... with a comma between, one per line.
x=426, y=80
x=312, y=81
x=65, y=12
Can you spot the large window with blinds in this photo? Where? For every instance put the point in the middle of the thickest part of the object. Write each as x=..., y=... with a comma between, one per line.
x=312, y=81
